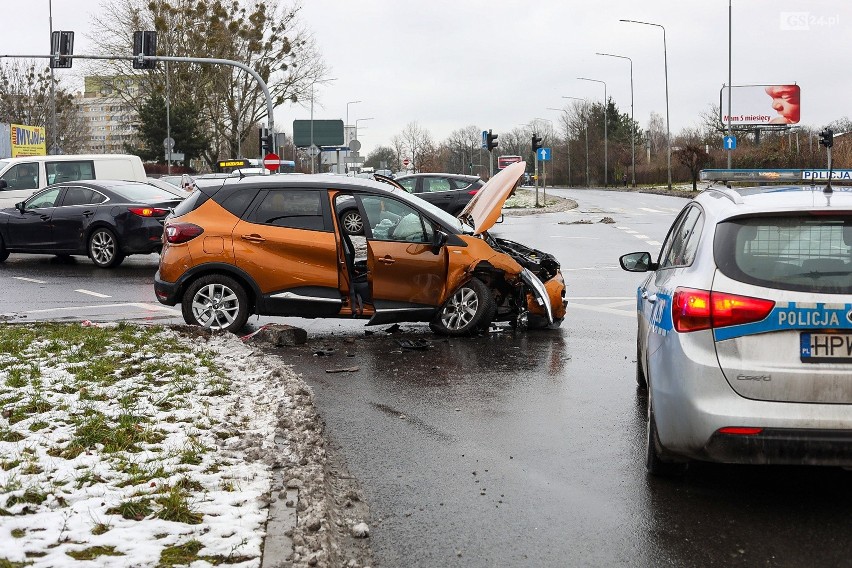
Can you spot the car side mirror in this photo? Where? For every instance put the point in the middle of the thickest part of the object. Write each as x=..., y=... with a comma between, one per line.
x=20, y=206
x=3, y=184
x=637, y=262
x=439, y=239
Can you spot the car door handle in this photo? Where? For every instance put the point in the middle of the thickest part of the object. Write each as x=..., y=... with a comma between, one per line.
x=387, y=260
x=45, y=217
x=651, y=299
x=88, y=213
x=254, y=238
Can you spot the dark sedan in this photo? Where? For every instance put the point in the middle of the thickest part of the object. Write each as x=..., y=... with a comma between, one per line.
x=104, y=220
x=450, y=192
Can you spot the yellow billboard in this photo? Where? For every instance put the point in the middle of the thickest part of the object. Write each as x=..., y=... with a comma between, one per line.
x=28, y=140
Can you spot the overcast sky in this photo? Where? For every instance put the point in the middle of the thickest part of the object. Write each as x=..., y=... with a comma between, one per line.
x=499, y=64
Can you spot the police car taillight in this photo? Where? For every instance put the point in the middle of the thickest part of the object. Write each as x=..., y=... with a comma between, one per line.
x=694, y=310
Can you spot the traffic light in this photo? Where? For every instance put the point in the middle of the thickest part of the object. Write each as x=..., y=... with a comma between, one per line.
x=61, y=43
x=826, y=138
x=265, y=138
x=536, y=143
x=490, y=141
x=144, y=43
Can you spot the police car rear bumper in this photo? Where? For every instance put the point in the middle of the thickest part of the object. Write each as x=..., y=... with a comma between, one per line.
x=791, y=446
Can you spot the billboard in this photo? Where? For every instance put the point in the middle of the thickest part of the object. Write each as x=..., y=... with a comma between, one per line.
x=761, y=105
x=325, y=133
x=28, y=140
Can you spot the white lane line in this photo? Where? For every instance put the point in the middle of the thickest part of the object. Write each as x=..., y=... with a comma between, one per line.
x=140, y=305
x=649, y=210
x=29, y=279
x=622, y=228
x=643, y=237
x=603, y=310
x=602, y=298
x=655, y=243
x=95, y=294
x=631, y=232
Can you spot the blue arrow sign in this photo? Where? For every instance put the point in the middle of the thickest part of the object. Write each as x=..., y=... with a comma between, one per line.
x=544, y=154
x=485, y=139
x=729, y=142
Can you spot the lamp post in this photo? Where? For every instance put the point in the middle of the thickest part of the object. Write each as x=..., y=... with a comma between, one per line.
x=357, y=120
x=313, y=158
x=606, y=141
x=544, y=167
x=567, y=143
x=345, y=126
x=666, y=69
x=632, y=128
x=586, y=130
x=55, y=146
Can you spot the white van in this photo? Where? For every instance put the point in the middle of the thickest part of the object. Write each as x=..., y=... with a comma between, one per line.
x=21, y=177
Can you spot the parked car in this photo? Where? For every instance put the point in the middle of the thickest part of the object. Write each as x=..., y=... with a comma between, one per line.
x=167, y=187
x=745, y=328
x=22, y=177
x=450, y=192
x=104, y=219
x=271, y=245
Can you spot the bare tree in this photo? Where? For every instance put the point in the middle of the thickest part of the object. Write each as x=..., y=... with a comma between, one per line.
x=416, y=139
x=656, y=133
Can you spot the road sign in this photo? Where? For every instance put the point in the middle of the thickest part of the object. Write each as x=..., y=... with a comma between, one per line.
x=405, y=162
x=544, y=154
x=354, y=145
x=271, y=162
x=484, y=139
x=729, y=142
x=313, y=150
x=169, y=143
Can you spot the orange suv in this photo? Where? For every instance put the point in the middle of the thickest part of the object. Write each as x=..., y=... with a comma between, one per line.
x=273, y=245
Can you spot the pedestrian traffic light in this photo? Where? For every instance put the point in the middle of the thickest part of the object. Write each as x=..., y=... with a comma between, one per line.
x=61, y=43
x=826, y=138
x=536, y=143
x=144, y=44
x=490, y=141
x=265, y=138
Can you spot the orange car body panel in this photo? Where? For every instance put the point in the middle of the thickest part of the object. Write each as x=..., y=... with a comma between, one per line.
x=487, y=205
x=407, y=272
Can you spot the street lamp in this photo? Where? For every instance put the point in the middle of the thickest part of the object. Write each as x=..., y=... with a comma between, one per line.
x=586, y=130
x=356, y=124
x=311, y=150
x=347, y=111
x=567, y=143
x=666, y=68
x=632, y=128
x=606, y=141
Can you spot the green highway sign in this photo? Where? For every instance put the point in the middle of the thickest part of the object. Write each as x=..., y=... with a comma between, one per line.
x=326, y=133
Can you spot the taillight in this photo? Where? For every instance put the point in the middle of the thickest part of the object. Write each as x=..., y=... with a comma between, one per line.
x=472, y=192
x=694, y=310
x=177, y=233
x=740, y=430
x=148, y=211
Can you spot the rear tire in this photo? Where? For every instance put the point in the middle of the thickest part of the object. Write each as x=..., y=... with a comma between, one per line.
x=217, y=302
x=104, y=249
x=654, y=462
x=4, y=254
x=469, y=308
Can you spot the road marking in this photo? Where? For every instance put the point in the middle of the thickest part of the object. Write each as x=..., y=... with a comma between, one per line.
x=603, y=310
x=95, y=294
x=567, y=237
x=643, y=237
x=140, y=305
x=656, y=243
x=631, y=232
x=590, y=268
x=649, y=210
x=626, y=302
x=29, y=279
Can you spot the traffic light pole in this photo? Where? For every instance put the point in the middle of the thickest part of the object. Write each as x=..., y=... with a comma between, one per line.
x=536, y=181
x=269, y=106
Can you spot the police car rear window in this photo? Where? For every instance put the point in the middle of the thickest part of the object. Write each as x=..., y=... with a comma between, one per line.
x=809, y=253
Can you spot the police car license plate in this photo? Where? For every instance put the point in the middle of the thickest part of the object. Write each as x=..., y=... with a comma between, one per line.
x=826, y=347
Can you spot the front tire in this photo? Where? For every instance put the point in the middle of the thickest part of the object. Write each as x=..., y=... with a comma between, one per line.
x=104, y=249
x=4, y=253
x=216, y=302
x=471, y=307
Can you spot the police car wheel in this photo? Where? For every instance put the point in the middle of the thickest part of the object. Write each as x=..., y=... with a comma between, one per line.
x=654, y=462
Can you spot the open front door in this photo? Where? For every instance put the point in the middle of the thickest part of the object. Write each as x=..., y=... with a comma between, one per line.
x=407, y=278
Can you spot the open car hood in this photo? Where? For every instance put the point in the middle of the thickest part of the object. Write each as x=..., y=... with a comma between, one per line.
x=487, y=205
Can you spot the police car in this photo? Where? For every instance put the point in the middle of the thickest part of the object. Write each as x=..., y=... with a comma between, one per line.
x=745, y=324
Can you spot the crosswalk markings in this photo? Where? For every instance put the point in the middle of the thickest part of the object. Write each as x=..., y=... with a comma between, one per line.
x=90, y=293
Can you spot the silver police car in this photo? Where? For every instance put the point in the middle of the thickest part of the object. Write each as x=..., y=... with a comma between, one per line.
x=745, y=326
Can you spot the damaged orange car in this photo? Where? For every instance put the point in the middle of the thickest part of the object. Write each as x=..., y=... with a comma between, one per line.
x=274, y=246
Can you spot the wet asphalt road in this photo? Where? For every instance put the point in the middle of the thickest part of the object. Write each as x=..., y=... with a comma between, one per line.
x=515, y=449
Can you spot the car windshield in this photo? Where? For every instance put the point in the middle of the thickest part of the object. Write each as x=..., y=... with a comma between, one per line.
x=3, y=164
x=810, y=253
x=143, y=192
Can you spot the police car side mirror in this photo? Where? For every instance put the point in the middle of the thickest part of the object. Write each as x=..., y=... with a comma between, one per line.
x=637, y=262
